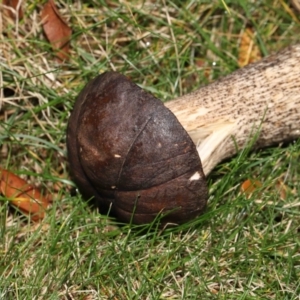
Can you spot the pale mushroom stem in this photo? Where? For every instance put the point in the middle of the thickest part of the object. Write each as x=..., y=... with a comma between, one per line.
x=262, y=98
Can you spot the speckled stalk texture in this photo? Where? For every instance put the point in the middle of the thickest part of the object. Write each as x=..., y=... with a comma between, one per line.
x=262, y=98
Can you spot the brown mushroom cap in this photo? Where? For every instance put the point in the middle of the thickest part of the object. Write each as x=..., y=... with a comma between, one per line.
x=126, y=149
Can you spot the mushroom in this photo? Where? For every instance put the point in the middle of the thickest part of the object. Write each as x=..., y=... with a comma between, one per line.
x=139, y=158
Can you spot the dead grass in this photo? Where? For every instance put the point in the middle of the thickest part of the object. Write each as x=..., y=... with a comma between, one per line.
x=240, y=249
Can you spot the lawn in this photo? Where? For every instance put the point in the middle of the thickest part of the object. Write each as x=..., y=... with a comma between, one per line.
x=242, y=247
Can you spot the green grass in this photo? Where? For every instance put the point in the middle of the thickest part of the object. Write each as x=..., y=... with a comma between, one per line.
x=241, y=248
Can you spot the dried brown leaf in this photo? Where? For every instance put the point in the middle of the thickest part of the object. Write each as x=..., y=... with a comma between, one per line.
x=249, y=186
x=248, y=51
x=282, y=189
x=14, y=8
x=23, y=195
x=56, y=30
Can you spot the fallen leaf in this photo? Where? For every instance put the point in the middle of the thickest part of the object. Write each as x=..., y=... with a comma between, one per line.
x=248, y=51
x=249, y=186
x=201, y=64
x=282, y=189
x=56, y=30
x=14, y=8
x=23, y=195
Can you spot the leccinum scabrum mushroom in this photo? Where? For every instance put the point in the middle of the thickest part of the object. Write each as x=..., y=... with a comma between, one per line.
x=131, y=154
